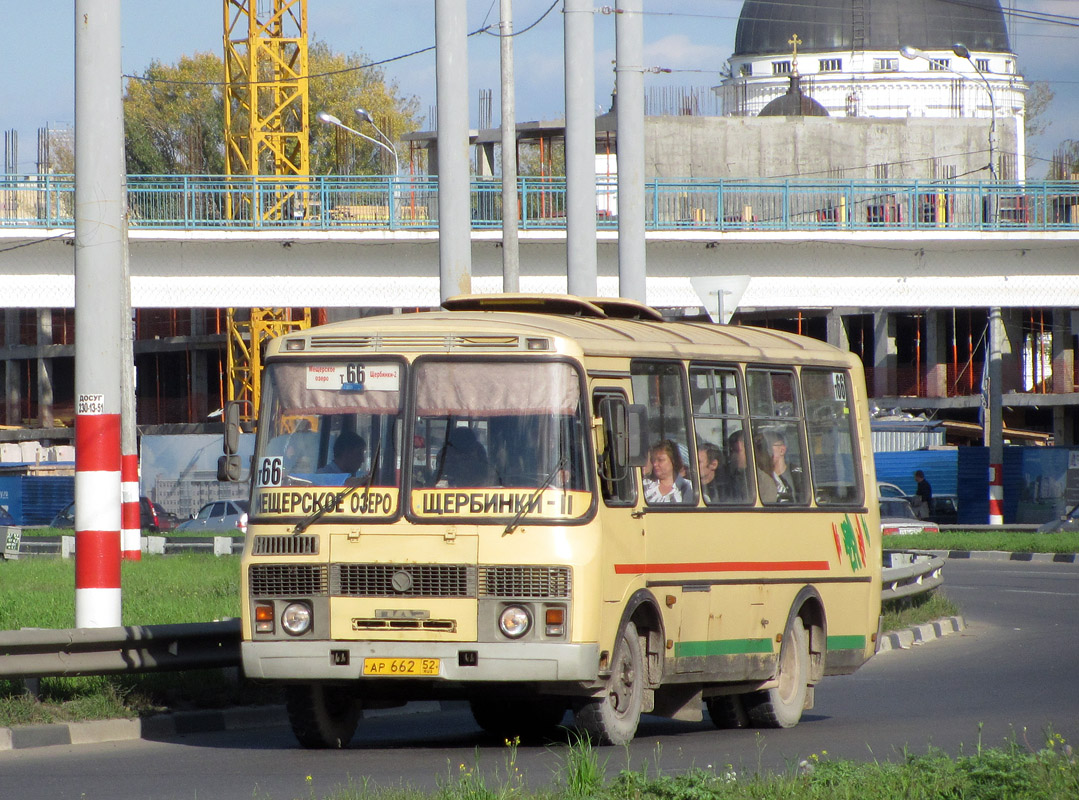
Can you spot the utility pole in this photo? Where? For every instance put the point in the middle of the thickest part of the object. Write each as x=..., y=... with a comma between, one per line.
x=578, y=26
x=994, y=433
x=454, y=206
x=100, y=209
x=511, y=259
x=629, y=83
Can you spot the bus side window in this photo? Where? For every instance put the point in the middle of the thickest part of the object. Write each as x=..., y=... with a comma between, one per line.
x=720, y=425
x=832, y=448
x=660, y=386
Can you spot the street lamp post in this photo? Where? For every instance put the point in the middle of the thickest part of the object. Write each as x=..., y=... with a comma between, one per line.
x=963, y=51
x=330, y=119
x=365, y=115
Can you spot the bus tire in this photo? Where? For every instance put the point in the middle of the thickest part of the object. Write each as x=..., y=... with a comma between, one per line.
x=529, y=718
x=781, y=706
x=727, y=711
x=613, y=718
x=322, y=716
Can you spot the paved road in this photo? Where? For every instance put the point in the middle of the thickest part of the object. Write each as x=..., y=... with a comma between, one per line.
x=1012, y=672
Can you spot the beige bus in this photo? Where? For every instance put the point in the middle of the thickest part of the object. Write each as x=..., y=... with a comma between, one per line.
x=549, y=504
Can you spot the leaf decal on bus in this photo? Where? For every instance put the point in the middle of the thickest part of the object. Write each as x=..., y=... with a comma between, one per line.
x=852, y=542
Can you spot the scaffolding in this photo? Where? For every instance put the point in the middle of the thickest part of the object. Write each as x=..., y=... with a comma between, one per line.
x=266, y=139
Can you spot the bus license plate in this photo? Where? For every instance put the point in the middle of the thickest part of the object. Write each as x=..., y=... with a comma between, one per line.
x=400, y=666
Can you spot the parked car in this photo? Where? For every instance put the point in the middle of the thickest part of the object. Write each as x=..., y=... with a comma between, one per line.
x=897, y=517
x=1066, y=522
x=889, y=490
x=65, y=517
x=220, y=516
x=943, y=509
x=152, y=517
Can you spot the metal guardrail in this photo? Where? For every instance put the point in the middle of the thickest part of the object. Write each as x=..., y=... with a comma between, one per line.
x=47, y=653
x=910, y=572
x=379, y=202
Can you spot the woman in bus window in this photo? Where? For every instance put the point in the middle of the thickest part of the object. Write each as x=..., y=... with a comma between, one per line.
x=666, y=484
x=788, y=479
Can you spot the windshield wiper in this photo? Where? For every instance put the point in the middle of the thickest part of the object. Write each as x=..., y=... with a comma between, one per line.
x=561, y=464
x=322, y=510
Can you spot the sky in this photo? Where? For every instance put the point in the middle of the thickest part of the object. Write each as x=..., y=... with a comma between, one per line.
x=692, y=38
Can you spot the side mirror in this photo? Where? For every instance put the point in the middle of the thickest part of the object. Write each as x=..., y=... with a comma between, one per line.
x=232, y=428
x=229, y=469
x=637, y=416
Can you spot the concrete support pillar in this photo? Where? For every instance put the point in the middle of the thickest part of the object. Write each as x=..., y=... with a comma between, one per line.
x=1063, y=352
x=200, y=369
x=836, y=331
x=1064, y=426
x=12, y=395
x=485, y=160
x=44, y=369
x=936, y=354
x=1011, y=350
x=884, y=354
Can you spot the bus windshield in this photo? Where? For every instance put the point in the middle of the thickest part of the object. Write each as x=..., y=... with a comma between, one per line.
x=509, y=432
x=491, y=439
x=327, y=425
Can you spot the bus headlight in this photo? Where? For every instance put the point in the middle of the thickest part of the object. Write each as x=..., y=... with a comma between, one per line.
x=296, y=618
x=514, y=621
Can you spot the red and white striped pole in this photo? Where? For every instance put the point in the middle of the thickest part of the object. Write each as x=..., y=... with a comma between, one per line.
x=99, y=253
x=996, y=494
x=130, y=512
x=97, y=515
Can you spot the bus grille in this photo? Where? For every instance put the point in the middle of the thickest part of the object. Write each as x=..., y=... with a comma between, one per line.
x=288, y=580
x=524, y=582
x=285, y=546
x=402, y=580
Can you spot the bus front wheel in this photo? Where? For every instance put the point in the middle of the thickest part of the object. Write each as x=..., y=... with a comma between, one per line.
x=322, y=716
x=613, y=718
x=781, y=706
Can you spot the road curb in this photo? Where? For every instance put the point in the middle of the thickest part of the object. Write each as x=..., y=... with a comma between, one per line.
x=920, y=634
x=163, y=726
x=1006, y=555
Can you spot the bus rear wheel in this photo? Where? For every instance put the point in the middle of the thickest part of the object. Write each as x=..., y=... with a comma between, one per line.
x=613, y=718
x=322, y=716
x=781, y=706
x=530, y=718
x=727, y=711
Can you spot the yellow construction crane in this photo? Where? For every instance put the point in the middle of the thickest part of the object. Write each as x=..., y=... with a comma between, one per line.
x=266, y=139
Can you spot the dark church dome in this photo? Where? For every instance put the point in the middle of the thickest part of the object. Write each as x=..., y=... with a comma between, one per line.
x=794, y=103
x=766, y=26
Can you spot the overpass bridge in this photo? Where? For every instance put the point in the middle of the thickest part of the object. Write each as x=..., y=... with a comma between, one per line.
x=372, y=241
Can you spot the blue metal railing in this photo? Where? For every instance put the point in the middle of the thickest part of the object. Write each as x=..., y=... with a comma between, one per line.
x=189, y=202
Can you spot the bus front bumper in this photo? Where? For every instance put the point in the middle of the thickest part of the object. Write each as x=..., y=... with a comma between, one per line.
x=457, y=661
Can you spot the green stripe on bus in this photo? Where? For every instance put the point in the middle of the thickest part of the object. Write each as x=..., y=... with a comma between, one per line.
x=846, y=643
x=722, y=647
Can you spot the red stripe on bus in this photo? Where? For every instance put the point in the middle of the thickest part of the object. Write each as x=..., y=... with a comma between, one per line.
x=97, y=442
x=97, y=560
x=723, y=566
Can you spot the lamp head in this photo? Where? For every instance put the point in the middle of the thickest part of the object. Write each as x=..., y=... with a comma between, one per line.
x=910, y=52
x=328, y=118
x=961, y=50
x=365, y=115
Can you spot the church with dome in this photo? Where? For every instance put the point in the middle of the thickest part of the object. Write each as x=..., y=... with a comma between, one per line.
x=882, y=60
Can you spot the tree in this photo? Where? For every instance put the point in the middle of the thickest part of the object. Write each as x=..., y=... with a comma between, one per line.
x=174, y=115
x=1039, y=96
x=339, y=85
x=174, y=118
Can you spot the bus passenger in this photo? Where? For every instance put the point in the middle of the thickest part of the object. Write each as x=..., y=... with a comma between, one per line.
x=735, y=480
x=787, y=478
x=708, y=458
x=349, y=450
x=666, y=484
x=465, y=460
x=766, y=482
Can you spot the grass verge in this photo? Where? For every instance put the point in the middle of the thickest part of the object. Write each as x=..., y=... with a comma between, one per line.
x=987, y=540
x=1047, y=771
